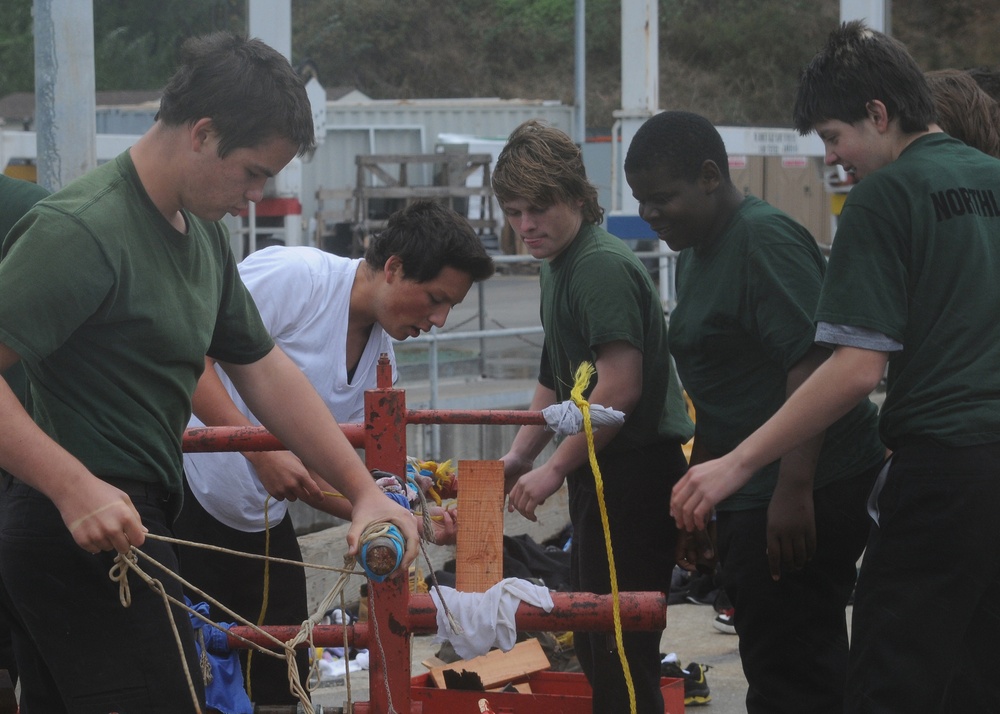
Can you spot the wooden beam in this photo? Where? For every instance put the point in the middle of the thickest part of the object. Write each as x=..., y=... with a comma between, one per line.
x=479, y=546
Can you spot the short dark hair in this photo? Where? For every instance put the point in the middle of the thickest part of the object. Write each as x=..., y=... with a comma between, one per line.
x=247, y=88
x=541, y=164
x=859, y=65
x=426, y=237
x=965, y=111
x=680, y=141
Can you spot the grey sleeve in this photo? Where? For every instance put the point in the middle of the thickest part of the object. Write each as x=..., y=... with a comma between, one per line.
x=830, y=335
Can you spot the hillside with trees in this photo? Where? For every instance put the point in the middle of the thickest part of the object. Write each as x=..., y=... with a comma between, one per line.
x=736, y=61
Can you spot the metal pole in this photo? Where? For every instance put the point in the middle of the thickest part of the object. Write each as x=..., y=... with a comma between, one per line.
x=432, y=366
x=482, y=327
x=581, y=611
x=65, y=101
x=875, y=13
x=580, y=76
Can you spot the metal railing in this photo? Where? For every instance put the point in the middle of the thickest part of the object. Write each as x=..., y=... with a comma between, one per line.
x=435, y=338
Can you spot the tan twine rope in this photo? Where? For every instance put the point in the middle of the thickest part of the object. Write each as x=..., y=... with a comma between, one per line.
x=125, y=562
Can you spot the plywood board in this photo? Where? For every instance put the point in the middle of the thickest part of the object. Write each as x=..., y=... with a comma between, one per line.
x=479, y=542
x=496, y=668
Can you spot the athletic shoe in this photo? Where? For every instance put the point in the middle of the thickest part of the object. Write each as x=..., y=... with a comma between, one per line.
x=723, y=622
x=695, y=685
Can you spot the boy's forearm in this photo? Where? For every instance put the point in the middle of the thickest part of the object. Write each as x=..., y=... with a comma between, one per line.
x=532, y=438
x=848, y=376
x=284, y=401
x=798, y=466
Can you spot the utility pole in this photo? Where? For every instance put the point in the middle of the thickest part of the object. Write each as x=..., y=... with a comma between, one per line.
x=65, y=103
x=876, y=13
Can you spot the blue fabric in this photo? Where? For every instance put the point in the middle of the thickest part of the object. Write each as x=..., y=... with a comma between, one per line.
x=397, y=539
x=226, y=692
x=399, y=498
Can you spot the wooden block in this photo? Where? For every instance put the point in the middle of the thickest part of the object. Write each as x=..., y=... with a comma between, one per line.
x=433, y=661
x=496, y=668
x=479, y=544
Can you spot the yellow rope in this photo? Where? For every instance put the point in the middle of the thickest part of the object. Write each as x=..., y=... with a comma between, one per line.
x=582, y=379
x=267, y=589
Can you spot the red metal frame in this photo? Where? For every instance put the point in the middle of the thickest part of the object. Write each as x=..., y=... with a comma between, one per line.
x=394, y=613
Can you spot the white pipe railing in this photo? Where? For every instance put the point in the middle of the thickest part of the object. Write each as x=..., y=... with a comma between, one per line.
x=435, y=337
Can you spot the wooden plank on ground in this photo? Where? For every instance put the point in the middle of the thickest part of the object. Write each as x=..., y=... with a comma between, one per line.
x=497, y=668
x=479, y=542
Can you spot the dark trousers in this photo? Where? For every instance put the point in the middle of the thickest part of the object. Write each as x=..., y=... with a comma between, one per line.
x=238, y=583
x=793, y=632
x=78, y=649
x=926, y=627
x=643, y=538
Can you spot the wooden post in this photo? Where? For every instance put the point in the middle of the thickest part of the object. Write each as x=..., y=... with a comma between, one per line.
x=479, y=548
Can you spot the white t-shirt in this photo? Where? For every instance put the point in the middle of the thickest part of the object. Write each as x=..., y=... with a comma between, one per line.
x=303, y=295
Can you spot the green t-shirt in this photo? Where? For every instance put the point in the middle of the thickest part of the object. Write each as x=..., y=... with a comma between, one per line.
x=16, y=197
x=917, y=257
x=595, y=292
x=744, y=318
x=112, y=311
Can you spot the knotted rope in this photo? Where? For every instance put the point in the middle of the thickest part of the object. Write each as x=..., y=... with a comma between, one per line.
x=130, y=562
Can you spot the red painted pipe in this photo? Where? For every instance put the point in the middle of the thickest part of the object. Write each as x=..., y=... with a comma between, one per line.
x=257, y=438
x=583, y=612
x=486, y=416
x=249, y=438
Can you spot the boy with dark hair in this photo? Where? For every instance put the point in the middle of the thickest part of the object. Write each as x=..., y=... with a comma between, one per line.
x=748, y=278
x=112, y=291
x=334, y=317
x=598, y=305
x=911, y=284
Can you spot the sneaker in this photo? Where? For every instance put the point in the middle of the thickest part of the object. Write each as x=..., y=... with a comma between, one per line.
x=695, y=685
x=721, y=601
x=723, y=622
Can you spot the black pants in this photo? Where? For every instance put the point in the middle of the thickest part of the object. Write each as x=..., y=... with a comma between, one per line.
x=238, y=583
x=926, y=621
x=78, y=649
x=643, y=538
x=793, y=632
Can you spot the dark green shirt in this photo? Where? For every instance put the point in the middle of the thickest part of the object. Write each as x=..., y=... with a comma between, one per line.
x=16, y=197
x=744, y=318
x=917, y=257
x=595, y=292
x=113, y=311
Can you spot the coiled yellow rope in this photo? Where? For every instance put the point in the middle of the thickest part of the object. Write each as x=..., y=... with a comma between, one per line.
x=584, y=373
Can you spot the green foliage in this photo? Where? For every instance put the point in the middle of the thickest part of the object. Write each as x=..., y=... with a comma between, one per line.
x=17, y=48
x=736, y=61
x=136, y=41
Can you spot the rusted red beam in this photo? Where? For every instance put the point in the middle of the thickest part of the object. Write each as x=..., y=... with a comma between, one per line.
x=483, y=416
x=257, y=438
x=582, y=612
x=250, y=438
